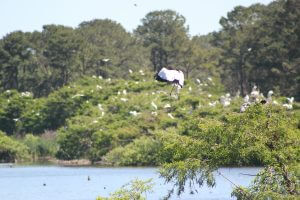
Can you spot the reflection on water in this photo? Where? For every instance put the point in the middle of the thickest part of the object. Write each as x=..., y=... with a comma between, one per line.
x=86, y=183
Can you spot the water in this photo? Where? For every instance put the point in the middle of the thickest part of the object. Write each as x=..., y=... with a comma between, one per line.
x=71, y=183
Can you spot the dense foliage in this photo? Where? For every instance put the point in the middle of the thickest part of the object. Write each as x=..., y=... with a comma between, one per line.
x=260, y=45
x=12, y=150
x=136, y=189
x=263, y=135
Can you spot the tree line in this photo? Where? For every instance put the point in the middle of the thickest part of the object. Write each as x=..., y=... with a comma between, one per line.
x=256, y=45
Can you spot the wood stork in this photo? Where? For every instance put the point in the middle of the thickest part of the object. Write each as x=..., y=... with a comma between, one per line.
x=170, y=75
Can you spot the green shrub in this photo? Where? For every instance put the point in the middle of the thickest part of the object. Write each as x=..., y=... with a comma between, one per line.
x=39, y=147
x=141, y=152
x=12, y=150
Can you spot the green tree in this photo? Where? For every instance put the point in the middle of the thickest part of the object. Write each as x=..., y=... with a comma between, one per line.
x=61, y=52
x=259, y=47
x=165, y=34
x=275, y=57
x=262, y=135
x=14, y=50
x=109, y=50
x=199, y=59
x=235, y=39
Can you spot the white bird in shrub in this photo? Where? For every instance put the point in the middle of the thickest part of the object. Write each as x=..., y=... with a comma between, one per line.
x=154, y=105
x=269, y=98
x=100, y=107
x=134, y=113
x=225, y=100
x=124, y=99
x=244, y=106
x=289, y=105
x=167, y=106
x=170, y=115
x=290, y=100
x=105, y=59
x=154, y=113
x=212, y=104
x=141, y=72
x=246, y=99
x=255, y=94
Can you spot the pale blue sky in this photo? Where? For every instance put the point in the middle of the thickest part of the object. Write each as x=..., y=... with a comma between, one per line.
x=28, y=15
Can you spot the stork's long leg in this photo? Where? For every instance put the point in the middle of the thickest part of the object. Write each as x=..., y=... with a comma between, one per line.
x=172, y=89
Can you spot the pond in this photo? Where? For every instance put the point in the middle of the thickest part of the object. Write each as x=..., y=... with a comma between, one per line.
x=86, y=183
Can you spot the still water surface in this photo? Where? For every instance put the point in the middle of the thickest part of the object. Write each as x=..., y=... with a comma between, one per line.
x=71, y=183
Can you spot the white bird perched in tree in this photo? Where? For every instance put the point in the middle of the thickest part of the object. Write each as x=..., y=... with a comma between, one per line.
x=105, y=59
x=170, y=115
x=289, y=105
x=244, y=106
x=290, y=100
x=142, y=73
x=154, y=105
x=225, y=100
x=167, y=106
x=134, y=113
x=77, y=95
x=130, y=71
x=212, y=104
x=269, y=98
x=124, y=99
x=246, y=99
x=100, y=107
x=124, y=92
x=98, y=87
x=154, y=113
x=26, y=94
x=198, y=81
x=255, y=94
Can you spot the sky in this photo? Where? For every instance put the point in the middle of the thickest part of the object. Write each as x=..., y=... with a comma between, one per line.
x=202, y=16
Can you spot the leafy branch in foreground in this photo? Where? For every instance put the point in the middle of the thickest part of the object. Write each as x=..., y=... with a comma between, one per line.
x=135, y=190
x=263, y=135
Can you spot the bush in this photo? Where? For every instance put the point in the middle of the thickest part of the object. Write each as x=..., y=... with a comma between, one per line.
x=12, y=150
x=39, y=147
x=141, y=152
